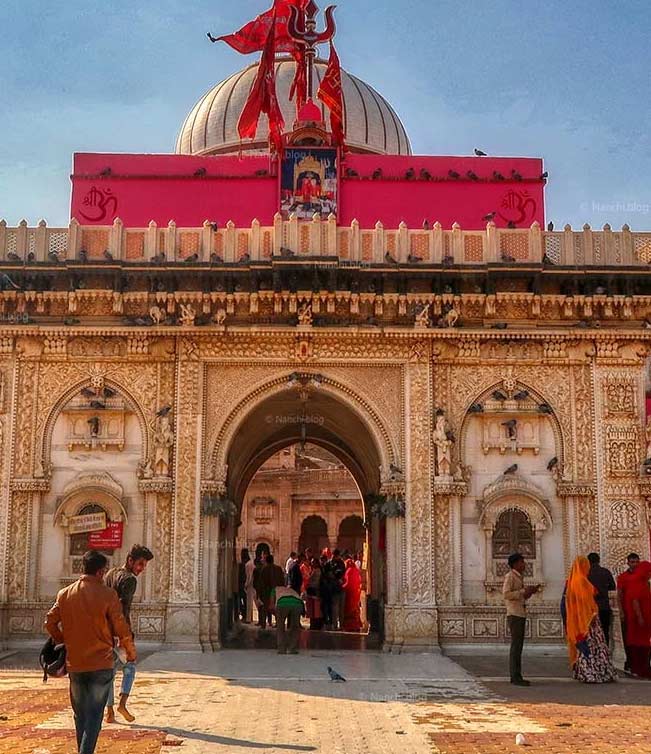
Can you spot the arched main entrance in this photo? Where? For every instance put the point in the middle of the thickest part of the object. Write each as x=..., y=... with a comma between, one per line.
x=309, y=409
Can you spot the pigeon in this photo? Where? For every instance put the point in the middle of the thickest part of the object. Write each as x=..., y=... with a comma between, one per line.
x=158, y=258
x=448, y=261
x=453, y=174
x=545, y=408
x=6, y=282
x=106, y=172
x=165, y=411
x=550, y=226
x=497, y=176
x=245, y=258
x=410, y=174
x=70, y=321
x=511, y=225
x=97, y=405
x=334, y=676
x=211, y=38
x=13, y=257
x=394, y=469
x=214, y=226
x=544, y=176
x=262, y=173
x=215, y=258
x=511, y=469
x=53, y=257
x=476, y=408
x=552, y=464
x=285, y=252
x=425, y=175
x=350, y=173
x=192, y=259
x=199, y=172
x=547, y=260
x=31, y=257
x=473, y=176
x=520, y=740
x=500, y=326
x=426, y=225
x=498, y=395
x=413, y=259
x=88, y=392
x=516, y=176
x=508, y=258
x=510, y=424
x=83, y=256
x=377, y=174
x=390, y=259
x=108, y=393
x=521, y=395
x=489, y=217
x=479, y=153
x=108, y=256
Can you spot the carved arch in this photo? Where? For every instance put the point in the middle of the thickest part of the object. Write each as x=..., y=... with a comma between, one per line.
x=560, y=441
x=44, y=444
x=217, y=458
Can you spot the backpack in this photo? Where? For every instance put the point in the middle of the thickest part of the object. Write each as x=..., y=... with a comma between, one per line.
x=52, y=660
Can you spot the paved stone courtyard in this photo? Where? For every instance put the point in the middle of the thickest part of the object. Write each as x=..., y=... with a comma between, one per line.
x=257, y=701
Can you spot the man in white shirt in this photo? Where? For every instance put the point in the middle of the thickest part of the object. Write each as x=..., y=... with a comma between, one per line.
x=291, y=560
x=515, y=595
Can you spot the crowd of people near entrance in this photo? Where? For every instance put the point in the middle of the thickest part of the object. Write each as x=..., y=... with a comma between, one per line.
x=326, y=589
x=587, y=617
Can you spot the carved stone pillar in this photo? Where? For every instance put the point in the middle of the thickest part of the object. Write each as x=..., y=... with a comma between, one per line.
x=183, y=610
x=447, y=541
x=414, y=621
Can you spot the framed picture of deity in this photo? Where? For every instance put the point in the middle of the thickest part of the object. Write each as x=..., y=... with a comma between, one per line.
x=309, y=183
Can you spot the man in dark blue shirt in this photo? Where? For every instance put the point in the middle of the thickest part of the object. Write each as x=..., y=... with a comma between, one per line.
x=603, y=581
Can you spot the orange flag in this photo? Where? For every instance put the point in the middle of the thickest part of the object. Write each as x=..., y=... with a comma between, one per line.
x=331, y=94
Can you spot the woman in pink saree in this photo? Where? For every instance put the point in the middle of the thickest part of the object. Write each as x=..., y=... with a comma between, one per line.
x=352, y=585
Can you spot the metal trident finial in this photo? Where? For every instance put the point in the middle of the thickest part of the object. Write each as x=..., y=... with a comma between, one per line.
x=302, y=29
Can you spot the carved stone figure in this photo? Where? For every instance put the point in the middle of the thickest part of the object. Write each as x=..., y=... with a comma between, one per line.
x=443, y=444
x=163, y=440
x=188, y=315
x=220, y=317
x=305, y=317
x=157, y=314
x=423, y=317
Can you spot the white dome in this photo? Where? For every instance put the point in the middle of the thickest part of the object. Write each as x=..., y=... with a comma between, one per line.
x=211, y=127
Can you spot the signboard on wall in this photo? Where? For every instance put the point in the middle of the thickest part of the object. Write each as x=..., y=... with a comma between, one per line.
x=109, y=538
x=87, y=523
x=309, y=183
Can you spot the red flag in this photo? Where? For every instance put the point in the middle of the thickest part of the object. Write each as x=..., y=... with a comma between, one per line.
x=252, y=36
x=262, y=98
x=331, y=94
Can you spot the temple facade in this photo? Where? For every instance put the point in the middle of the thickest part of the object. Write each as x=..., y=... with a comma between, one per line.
x=481, y=375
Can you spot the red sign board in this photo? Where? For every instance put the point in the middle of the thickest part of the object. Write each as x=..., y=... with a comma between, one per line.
x=107, y=539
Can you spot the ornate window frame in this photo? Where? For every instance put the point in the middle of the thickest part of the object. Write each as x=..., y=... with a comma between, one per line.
x=513, y=492
x=98, y=488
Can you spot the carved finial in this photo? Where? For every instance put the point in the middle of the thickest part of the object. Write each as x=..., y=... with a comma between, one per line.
x=568, y=228
x=23, y=223
x=42, y=223
x=607, y=227
x=587, y=227
x=626, y=228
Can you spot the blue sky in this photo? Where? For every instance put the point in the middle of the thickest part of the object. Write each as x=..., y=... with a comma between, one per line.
x=568, y=81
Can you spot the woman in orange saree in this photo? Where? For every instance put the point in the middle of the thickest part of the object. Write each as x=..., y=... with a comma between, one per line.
x=586, y=643
x=352, y=585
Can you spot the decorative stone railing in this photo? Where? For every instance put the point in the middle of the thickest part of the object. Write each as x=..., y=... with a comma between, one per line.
x=352, y=245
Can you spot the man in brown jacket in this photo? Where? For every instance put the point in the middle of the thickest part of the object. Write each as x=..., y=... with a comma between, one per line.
x=85, y=617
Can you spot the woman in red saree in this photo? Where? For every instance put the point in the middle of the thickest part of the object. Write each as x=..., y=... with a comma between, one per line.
x=636, y=605
x=352, y=585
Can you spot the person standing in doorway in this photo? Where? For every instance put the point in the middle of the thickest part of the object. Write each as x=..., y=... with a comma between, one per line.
x=85, y=617
x=515, y=595
x=249, y=590
x=271, y=576
x=124, y=581
x=602, y=580
x=338, y=595
x=289, y=609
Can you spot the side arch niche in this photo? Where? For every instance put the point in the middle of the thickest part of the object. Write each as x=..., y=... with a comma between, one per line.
x=514, y=515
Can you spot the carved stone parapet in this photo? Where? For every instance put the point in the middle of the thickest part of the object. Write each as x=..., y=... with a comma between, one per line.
x=163, y=485
x=213, y=487
x=449, y=489
x=30, y=485
x=569, y=489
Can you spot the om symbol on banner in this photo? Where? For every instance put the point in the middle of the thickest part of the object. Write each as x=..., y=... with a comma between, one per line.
x=101, y=205
x=518, y=207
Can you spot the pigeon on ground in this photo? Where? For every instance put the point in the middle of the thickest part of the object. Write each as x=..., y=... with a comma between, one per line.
x=334, y=676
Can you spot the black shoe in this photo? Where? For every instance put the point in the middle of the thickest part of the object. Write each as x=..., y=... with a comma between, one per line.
x=520, y=682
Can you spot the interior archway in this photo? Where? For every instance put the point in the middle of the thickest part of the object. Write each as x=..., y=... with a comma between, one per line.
x=296, y=417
